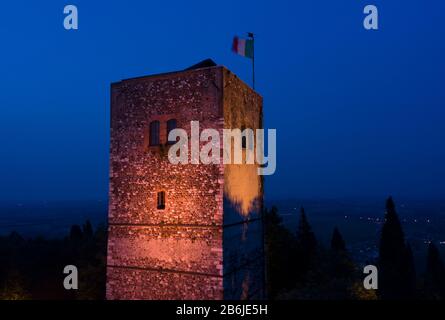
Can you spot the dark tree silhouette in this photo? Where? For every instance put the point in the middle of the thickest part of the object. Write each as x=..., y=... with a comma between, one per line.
x=75, y=233
x=306, y=240
x=306, y=246
x=342, y=265
x=280, y=254
x=410, y=272
x=31, y=268
x=394, y=265
x=88, y=229
x=435, y=274
x=337, y=242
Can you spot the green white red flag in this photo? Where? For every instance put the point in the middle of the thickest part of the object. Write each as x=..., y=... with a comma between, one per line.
x=243, y=47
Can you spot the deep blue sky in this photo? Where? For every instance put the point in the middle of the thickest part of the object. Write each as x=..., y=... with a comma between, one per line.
x=358, y=113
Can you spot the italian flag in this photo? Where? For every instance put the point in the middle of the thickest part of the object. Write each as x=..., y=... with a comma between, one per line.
x=243, y=47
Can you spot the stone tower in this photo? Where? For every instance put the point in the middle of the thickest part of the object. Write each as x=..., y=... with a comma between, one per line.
x=185, y=231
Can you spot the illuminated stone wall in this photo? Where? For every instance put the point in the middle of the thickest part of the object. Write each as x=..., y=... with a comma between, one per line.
x=177, y=252
x=243, y=199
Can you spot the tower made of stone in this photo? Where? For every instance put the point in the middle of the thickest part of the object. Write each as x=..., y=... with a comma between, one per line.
x=182, y=231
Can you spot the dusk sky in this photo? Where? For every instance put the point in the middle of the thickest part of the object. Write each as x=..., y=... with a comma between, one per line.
x=357, y=112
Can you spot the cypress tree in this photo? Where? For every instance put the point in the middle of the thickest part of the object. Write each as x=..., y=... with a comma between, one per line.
x=410, y=272
x=306, y=240
x=435, y=274
x=306, y=247
x=393, y=264
x=88, y=229
x=337, y=242
x=280, y=254
x=75, y=233
x=342, y=265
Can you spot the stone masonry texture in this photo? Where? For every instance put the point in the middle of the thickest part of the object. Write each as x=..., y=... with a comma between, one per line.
x=207, y=243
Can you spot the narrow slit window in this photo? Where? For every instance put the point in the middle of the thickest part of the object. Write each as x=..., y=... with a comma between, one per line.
x=161, y=200
x=171, y=124
x=154, y=133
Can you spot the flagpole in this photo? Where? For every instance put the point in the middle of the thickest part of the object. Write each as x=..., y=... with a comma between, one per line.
x=251, y=35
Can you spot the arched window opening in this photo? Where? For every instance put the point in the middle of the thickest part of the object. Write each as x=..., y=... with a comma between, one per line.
x=171, y=124
x=154, y=133
x=161, y=200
